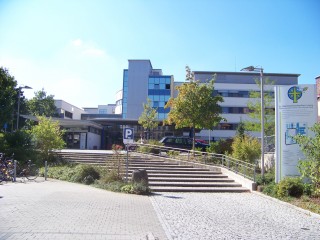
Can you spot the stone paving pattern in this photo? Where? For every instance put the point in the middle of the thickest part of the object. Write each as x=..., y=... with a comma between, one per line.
x=61, y=210
x=232, y=216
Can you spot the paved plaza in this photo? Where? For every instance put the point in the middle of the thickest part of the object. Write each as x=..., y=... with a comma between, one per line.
x=61, y=210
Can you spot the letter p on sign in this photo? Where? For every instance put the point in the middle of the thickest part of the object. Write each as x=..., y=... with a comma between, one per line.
x=128, y=136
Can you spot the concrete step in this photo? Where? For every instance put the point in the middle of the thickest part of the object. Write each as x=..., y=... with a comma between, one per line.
x=175, y=179
x=163, y=176
x=182, y=176
x=199, y=189
x=194, y=184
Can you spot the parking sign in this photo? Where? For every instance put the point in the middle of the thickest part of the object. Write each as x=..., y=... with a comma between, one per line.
x=128, y=136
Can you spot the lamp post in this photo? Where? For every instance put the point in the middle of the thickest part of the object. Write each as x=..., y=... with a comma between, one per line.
x=260, y=70
x=18, y=112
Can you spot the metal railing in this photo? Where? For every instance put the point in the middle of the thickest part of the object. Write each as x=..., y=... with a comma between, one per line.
x=245, y=169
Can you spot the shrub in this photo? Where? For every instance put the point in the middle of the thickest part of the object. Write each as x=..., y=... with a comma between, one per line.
x=269, y=177
x=246, y=148
x=221, y=147
x=172, y=153
x=135, y=188
x=270, y=189
x=308, y=189
x=111, y=176
x=150, y=149
x=290, y=187
x=84, y=171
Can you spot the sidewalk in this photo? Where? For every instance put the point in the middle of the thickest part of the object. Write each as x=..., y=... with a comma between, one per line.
x=60, y=210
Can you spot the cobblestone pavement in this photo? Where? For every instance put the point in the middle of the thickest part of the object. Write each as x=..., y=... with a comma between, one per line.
x=232, y=216
x=60, y=210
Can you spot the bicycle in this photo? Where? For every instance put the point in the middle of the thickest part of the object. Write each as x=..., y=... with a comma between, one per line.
x=6, y=168
x=10, y=169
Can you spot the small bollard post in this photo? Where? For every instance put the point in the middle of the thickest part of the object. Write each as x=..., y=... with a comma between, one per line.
x=15, y=170
x=45, y=170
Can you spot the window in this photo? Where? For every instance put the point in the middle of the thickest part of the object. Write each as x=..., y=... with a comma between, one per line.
x=167, y=86
x=68, y=114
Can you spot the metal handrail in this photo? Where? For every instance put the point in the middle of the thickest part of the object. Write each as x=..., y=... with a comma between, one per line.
x=245, y=169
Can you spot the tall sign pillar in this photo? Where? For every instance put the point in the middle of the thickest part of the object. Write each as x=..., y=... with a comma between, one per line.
x=296, y=111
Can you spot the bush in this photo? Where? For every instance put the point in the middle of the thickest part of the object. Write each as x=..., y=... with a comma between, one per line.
x=82, y=173
x=221, y=147
x=135, y=188
x=149, y=149
x=308, y=189
x=290, y=187
x=246, y=148
x=270, y=189
x=269, y=177
x=110, y=176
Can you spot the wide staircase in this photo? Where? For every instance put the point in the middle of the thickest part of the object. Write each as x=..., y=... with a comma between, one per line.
x=164, y=176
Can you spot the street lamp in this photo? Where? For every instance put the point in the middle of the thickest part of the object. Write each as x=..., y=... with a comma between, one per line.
x=18, y=112
x=260, y=69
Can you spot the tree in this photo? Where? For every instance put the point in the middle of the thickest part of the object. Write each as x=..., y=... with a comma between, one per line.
x=246, y=148
x=47, y=136
x=240, y=131
x=310, y=167
x=255, y=111
x=148, y=117
x=42, y=105
x=195, y=106
x=8, y=97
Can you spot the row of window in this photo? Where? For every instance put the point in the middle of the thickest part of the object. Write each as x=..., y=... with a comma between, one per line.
x=160, y=80
x=236, y=93
x=163, y=98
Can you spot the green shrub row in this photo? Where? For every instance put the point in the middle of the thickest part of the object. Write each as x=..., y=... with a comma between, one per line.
x=97, y=176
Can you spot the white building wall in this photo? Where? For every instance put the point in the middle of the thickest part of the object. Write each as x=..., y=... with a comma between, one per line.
x=118, y=108
x=93, y=141
x=64, y=106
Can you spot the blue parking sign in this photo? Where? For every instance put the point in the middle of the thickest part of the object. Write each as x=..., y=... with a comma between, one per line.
x=128, y=135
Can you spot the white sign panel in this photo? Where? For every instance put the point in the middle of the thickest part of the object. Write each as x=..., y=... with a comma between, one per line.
x=296, y=111
x=128, y=135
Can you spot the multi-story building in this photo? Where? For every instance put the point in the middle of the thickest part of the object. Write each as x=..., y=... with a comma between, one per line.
x=141, y=81
x=235, y=88
x=68, y=111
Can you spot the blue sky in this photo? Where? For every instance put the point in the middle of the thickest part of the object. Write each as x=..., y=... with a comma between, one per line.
x=77, y=49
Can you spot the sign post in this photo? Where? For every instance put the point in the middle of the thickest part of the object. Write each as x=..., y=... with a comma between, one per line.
x=128, y=137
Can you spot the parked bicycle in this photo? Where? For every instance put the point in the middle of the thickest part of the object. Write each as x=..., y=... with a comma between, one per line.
x=9, y=167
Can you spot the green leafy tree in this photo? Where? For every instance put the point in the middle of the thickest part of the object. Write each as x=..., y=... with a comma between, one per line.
x=310, y=167
x=47, y=136
x=195, y=106
x=8, y=97
x=255, y=111
x=148, y=118
x=246, y=148
x=240, y=131
x=42, y=105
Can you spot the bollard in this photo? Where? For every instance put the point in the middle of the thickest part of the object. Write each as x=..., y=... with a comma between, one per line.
x=45, y=170
x=15, y=170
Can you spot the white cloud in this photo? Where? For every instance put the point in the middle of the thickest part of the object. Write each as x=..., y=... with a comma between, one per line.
x=93, y=52
x=77, y=42
x=87, y=48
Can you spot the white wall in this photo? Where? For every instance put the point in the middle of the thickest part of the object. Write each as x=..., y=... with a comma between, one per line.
x=93, y=140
